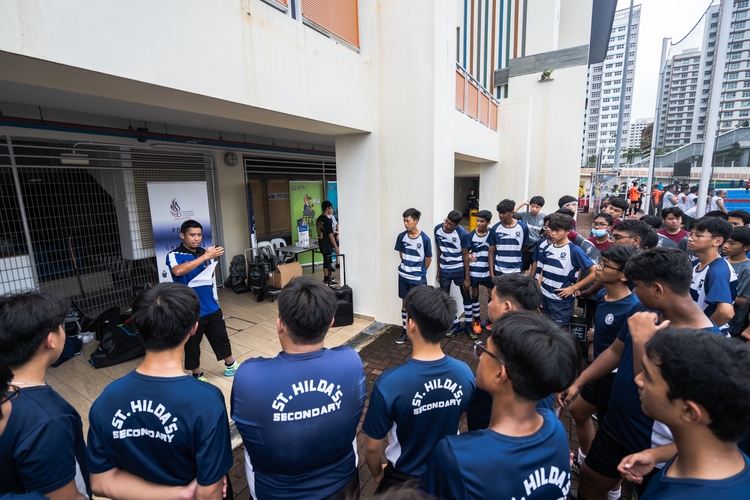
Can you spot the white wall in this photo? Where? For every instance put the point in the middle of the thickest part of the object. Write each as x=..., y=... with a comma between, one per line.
x=235, y=51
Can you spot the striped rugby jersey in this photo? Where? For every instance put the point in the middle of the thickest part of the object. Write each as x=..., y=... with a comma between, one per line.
x=480, y=248
x=414, y=251
x=560, y=266
x=539, y=249
x=451, y=250
x=508, y=242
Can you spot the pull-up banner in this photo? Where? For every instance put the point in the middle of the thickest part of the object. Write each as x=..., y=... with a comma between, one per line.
x=172, y=203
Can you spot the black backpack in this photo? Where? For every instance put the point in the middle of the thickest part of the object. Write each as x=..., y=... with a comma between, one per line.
x=119, y=343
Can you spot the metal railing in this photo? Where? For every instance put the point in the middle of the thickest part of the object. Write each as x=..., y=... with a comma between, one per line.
x=474, y=100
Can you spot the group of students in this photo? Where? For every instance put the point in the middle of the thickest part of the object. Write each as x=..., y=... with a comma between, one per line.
x=670, y=389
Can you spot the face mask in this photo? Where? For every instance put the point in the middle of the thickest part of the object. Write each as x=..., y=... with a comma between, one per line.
x=598, y=232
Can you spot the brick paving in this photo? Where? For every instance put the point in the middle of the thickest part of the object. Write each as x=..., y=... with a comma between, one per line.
x=383, y=353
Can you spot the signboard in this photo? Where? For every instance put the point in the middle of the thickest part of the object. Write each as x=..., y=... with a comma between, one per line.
x=172, y=203
x=305, y=198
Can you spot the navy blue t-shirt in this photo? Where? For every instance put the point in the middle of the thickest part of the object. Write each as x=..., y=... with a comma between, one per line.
x=485, y=464
x=610, y=316
x=166, y=430
x=625, y=418
x=298, y=416
x=416, y=405
x=662, y=487
x=42, y=448
x=479, y=412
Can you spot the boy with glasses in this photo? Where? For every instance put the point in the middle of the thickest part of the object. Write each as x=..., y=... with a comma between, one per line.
x=42, y=449
x=662, y=282
x=714, y=284
x=453, y=265
x=614, y=305
x=524, y=452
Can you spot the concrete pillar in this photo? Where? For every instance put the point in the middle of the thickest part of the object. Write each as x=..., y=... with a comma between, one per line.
x=745, y=156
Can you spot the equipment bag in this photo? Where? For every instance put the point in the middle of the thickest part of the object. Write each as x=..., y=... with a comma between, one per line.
x=119, y=344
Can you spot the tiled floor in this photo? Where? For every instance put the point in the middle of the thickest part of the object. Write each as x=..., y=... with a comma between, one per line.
x=252, y=331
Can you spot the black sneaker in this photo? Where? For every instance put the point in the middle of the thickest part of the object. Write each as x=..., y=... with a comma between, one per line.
x=402, y=338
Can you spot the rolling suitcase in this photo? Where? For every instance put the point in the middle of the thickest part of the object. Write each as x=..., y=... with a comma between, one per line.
x=344, y=299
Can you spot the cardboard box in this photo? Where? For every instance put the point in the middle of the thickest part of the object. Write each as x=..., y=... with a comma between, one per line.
x=285, y=272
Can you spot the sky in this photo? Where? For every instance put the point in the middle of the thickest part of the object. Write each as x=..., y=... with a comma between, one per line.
x=659, y=19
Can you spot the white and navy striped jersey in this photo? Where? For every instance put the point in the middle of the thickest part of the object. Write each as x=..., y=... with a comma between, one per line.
x=451, y=250
x=539, y=249
x=560, y=265
x=714, y=284
x=414, y=251
x=480, y=248
x=508, y=242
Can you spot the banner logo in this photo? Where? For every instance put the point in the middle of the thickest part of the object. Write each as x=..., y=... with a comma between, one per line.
x=174, y=208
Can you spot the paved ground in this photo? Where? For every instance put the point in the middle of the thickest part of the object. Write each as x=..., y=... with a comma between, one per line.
x=378, y=356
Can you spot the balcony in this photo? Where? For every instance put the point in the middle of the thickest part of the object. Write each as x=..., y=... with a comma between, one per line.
x=474, y=100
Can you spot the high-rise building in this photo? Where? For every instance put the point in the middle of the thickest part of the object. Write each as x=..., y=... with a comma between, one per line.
x=636, y=128
x=603, y=92
x=687, y=77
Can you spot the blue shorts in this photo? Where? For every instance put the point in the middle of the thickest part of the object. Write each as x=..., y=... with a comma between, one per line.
x=445, y=281
x=486, y=282
x=559, y=311
x=404, y=286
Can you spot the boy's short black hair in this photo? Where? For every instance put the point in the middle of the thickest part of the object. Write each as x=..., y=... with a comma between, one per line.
x=743, y=215
x=716, y=214
x=455, y=216
x=539, y=357
x=484, y=214
x=605, y=216
x=165, y=314
x=676, y=211
x=694, y=189
x=565, y=200
x=413, y=213
x=619, y=254
x=633, y=228
x=652, y=220
x=562, y=221
x=432, y=310
x=651, y=240
x=670, y=267
x=190, y=224
x=565, y=211
x=536, y=200
x=710, y=370
x=521, y=289
x=548, y=218
x=620, y=203
x=326, y=205
x=717, y=227
x=741, y=235
x=306, y=309
x=506, y=206
x=5, y=377
x=25, y=321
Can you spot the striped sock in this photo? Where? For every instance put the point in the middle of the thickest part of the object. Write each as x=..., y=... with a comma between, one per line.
x=475, y=307
x=467, y=313
x=455, y=321
x=403, y=319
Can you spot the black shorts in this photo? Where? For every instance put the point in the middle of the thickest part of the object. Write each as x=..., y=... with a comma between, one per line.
x=597, y=393
x=404, y=286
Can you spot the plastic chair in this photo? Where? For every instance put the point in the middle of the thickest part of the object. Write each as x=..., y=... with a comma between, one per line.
x=284, y=257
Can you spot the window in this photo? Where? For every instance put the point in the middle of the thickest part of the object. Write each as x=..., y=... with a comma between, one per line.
x=726, y=124
x=707, y=73
x=598, y=69
x=744, y=85
x=609, y=66
x=739, y=26
x=608, y=91
x=592, y=135
x=727, y=115
x=737, y=46
x=729, y=95
x=734, y=66
x=746, y=104
x=607, y=75
x=617, y=82
x=739, y=36
x=742, y=15
x=745, y=113
x=596, y=86
x=733, y=85
x=728, y=105
x=733, y=76
x=735, y=55
x=597, y=78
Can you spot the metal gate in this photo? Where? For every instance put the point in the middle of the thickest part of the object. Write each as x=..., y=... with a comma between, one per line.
x=75, y=217
x=267, y=180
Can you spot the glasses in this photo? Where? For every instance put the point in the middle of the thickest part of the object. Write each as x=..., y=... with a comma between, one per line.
x=601, y=265
x=11, y=393
x=482, y=349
